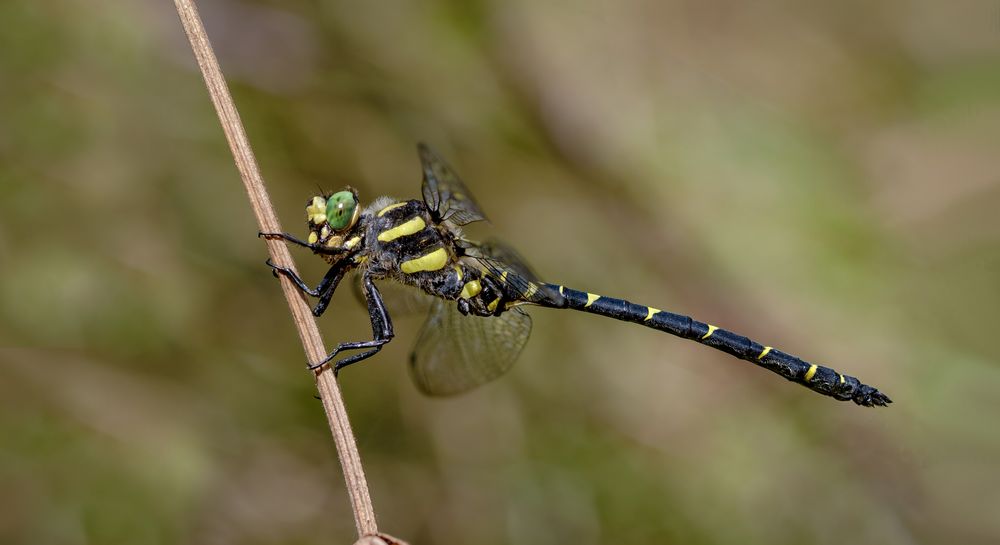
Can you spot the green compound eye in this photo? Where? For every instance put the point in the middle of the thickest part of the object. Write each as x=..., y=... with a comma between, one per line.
x=340, y=210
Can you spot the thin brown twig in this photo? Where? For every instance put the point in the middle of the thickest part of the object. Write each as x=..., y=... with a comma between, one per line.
x=333, y=403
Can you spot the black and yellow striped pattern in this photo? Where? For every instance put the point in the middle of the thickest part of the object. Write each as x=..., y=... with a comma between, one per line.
x=405, y=231
x=817, y=378
x=419, y=243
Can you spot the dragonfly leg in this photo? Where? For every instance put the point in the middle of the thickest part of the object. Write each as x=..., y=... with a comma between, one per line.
x=317, y=248
x=295, y=278
x=381, y=331
x=324, y=290
x=286, y=237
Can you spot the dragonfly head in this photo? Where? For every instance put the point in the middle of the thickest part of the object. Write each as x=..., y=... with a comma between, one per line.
x=330, y=217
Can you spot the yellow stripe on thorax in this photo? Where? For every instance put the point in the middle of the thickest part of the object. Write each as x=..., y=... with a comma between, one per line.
x=711, y=329
x=432, y=261
x=383, y=211
x=406, y=228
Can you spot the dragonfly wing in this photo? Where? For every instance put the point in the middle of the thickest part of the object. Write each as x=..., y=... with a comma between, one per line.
x=504, y=263
x=444, y=193
x=456, y=353
x=400, y=299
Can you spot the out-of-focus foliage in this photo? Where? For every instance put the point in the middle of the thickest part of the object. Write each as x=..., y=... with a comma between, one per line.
x=823, y=177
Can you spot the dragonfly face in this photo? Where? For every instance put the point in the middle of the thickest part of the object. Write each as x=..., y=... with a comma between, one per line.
x=476, y=326
x=330, y=218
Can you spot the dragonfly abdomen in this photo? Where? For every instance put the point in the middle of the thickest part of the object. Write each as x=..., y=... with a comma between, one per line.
x=817, y=378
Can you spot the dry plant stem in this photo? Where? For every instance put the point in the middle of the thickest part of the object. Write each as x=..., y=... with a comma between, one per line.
x=357, y=486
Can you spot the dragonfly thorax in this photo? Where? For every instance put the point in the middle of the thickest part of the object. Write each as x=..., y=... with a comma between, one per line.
x=404, y=243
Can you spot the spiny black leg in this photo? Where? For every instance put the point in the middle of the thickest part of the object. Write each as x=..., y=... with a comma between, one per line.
x=356, y=358
x=381, y=331
x=296, y=279
x=317, y=248
x=374, y=346
x=324, y=290
x=285, y=236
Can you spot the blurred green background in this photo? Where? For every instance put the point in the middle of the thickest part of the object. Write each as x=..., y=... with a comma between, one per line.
x=823, y=177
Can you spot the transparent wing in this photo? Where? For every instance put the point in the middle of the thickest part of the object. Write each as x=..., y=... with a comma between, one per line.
x=400, y=299
x=444, y=193
x=456, y=353
x=504, y=263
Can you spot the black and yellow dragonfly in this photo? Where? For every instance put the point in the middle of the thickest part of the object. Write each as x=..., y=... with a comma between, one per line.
x=477, y=326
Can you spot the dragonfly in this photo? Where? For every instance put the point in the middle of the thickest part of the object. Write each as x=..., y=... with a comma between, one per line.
x=476, y=325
